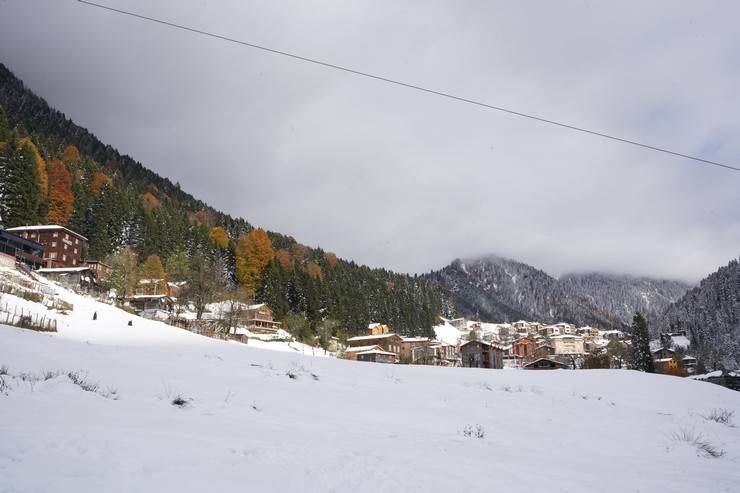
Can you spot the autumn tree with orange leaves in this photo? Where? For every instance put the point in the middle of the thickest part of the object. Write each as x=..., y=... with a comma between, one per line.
x=99, y=179
x=61, y=199
x=253, y=253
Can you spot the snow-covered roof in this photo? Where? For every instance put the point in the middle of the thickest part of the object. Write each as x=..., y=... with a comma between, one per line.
x=377, y=351
x=150, y=296
x=45, y=227
x=52, y=270
x=359, y=349
x=415, y=339
x=367, y=338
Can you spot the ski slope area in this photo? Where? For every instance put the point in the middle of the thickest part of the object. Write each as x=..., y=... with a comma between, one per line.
x=259, y=420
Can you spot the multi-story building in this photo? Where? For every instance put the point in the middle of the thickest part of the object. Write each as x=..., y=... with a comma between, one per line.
x=567, y=344
x=15, y=248
x=62, y=247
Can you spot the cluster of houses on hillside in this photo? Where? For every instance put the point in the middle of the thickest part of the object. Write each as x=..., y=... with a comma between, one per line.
x=522, y=344
x=56, y=252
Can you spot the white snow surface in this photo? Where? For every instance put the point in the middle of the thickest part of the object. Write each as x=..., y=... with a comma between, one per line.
x=335, y=425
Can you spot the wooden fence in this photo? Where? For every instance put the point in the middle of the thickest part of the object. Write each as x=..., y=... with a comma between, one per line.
x=24, y=319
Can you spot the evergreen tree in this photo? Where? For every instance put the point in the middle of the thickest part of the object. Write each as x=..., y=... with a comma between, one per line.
x=20, y=191
x=641, y=355
x=178, y=265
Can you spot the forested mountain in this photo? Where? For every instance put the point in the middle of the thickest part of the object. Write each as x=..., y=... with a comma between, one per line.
x=710, y=314
x=52, y=170
x=499, y=289
x=622, y=296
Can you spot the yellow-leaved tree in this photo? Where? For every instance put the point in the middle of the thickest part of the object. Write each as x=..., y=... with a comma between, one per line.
x=152, y=274
x=71, y=154
x=219, y=236
x=253, y=253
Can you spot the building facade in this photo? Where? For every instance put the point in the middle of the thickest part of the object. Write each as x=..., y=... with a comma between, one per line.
x=481, y=354
x=62, y=247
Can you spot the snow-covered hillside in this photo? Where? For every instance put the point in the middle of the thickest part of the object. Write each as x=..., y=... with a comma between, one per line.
x=258, y=420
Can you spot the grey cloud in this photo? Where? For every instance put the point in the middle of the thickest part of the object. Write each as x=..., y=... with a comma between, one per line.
x=387, y=176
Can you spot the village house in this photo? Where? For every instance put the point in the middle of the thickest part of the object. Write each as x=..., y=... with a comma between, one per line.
x=377, y=356
x=148, y=305
x=567, y=344
x=101, y=269
x=665, y=361
x=545, y=364
x=259, y=319
x=16, y=249
x=350, y=353
x=376, y=329
x=62, y=247
x=523, y=348
x=75, y=278
x=481, y=354
x=408, y=344
x=387, y=342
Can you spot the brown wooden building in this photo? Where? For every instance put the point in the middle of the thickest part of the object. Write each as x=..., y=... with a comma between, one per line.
x=259, y=319
x=545, y=364
x=481, y=354
x=18, y=249
x=523, y=348
x=62, y=247
x=376, y=356
x=389, y=342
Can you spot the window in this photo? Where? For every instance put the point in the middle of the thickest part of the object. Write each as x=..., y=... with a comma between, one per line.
x=64, y=258
x=55, y=234
x=66, y=236
x=53, y=244
x=75, y=250
x=52, y=255
x=74, y=262
x=65, y=246
x=77, y=241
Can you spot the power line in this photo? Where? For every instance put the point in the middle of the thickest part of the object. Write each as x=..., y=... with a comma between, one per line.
x=413, y=86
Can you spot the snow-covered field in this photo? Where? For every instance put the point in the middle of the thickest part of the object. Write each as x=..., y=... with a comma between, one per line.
x=260, y=420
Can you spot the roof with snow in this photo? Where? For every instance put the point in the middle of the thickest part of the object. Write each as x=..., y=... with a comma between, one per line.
x=46, y=227
x=53, y=270
x=377, y=351
x=360, y=349
x=368, y=338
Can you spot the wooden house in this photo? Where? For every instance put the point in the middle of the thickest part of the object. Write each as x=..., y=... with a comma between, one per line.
x=62, y=246
x=351, y=352
x=15, y=248
x=481, y=354
x=259, y=319
x=545, y=364
x=376, y=356
x=523, y=348
x=388, y=342
x=151, y=302
x=76, y=278
x=376, y=329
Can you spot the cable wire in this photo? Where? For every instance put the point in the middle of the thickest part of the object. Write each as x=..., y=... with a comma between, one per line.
x=413, y=86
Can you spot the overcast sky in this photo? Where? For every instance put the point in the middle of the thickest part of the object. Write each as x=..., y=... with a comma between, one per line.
x=392, y=177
